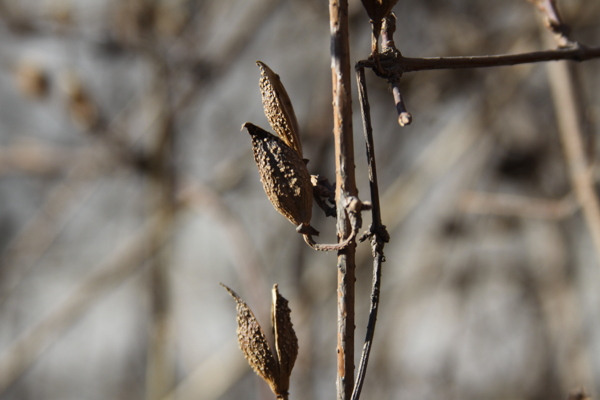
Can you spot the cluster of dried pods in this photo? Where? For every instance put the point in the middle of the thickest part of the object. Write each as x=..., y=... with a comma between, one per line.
x=281, y=166
x=275, y=367
x=290, y=188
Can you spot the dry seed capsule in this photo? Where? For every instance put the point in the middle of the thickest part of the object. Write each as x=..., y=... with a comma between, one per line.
x=253, y=343
x=284, y=177
x=278, y=107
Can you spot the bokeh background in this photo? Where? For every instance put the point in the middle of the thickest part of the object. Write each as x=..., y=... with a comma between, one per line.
x=128, y=192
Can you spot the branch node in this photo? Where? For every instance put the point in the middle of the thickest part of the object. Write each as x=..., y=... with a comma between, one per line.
x=387, y=36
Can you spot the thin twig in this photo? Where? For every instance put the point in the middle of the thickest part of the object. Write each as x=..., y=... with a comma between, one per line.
x=329, y=247
x=246, y=261
x=399, y=64
x=41, y=230
x=345, y=187
x=377, y=232
x=511, y=205
x=404, y=117
x=553, y=21
x=206, y=380
x=159, y=368
x=567, y=102
x=353, y=207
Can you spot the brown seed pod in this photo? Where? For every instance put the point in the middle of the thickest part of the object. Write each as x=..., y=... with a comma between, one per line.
x=253, y=342
x=278, y=108
x=274, y=367
x=284, y=176
x=286, y=341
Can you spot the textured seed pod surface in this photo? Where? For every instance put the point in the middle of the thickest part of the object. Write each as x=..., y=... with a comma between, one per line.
x=274, y=368
x=284, y=175
x=253, y=343
x=286, y=341
x=278, y=108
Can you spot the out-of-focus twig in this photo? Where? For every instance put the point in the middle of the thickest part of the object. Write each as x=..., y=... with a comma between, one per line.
x=39, y=233
x=560, y=309
x=202, y=198
x=517, y=206
x=38, y=159
x=554, y=22
x=162, y=200
x=568, y=100
x=27, y=349
x=207, y=381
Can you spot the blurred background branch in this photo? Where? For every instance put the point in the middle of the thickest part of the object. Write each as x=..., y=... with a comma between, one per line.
x=128, y=193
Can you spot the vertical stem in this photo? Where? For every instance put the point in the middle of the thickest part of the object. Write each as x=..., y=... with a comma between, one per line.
x=159, y=374
x=345, y=186
x=377, y=231
x=568, y=114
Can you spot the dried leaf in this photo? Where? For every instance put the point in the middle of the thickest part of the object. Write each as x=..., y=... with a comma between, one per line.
x=284, y=176
x=278, y=108
x=286, y=342
x=253, y=342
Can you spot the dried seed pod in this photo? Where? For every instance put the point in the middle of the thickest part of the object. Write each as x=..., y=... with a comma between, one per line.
x=253, y=342
x=284, y=177
x=274, y=368
x=286, y=342
x=278, y=108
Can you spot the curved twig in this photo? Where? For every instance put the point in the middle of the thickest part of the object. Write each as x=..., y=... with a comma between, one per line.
x=329, y=247
x=353, y=207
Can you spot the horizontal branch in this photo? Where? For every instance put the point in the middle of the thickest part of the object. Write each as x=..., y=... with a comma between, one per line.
x=399, y=64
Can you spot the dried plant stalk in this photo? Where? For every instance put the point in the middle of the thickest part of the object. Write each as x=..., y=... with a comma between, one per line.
x=284, y=176
x=278, y=108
